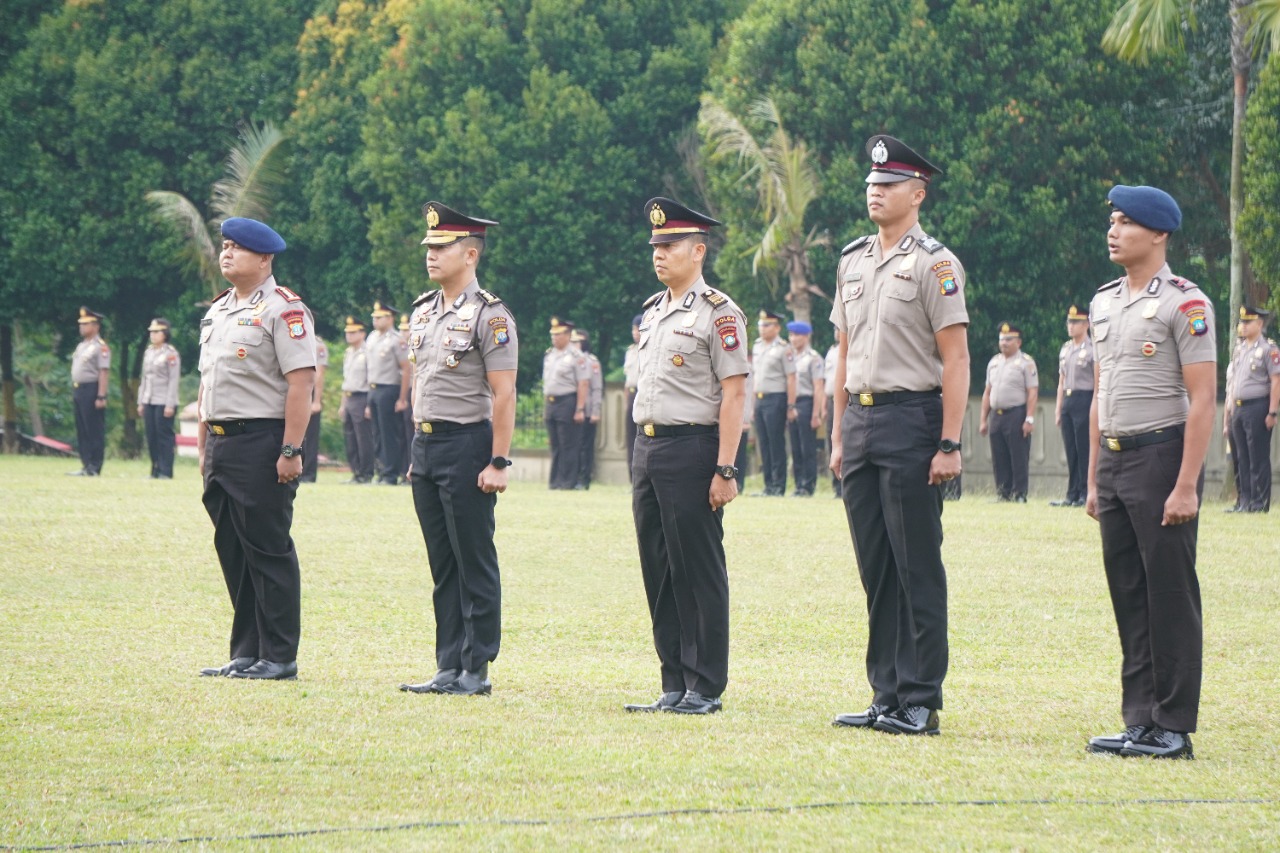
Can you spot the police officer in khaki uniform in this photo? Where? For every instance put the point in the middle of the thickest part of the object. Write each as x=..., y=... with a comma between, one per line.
x=566, y=382
x=902, y=383
x=689, y=416
x=90, y=370
x=1008, y=413
x=257, y=374
x=388, y=361
x=406, y=456
x=773, y=371
x=1152, y=418
x=311, y=443
x=158, y=397
x=464, y=352
x=1253, y=382
x=1075, y=396
x=357, y=421
x=811, y=400
x=829, y=372
x=581, y=341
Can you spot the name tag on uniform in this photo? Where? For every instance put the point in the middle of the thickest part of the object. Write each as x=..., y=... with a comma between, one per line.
x=678, y=330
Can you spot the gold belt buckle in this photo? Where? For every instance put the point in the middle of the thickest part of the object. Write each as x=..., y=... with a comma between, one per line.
x=1068, y=392
x=866, y=399
x=426, y=427
x=1113, y=444
x=648, y=430
x=217, y=430
x=1239, y=402
x=759, y=395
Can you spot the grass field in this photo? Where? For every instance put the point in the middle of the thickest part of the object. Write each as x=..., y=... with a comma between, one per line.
x=111, y=599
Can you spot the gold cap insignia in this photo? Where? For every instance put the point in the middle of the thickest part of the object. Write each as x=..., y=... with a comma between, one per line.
x=657, y=217
x=433, y=216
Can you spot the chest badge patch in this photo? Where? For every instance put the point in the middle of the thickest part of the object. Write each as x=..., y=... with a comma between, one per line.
x=241, y=352
x=908, y=262
x=1150, y=310
x=677, y=360
x=466, y=312
x=415, y=341
x=451, y=361
x=689, y=319
x=1148, y=349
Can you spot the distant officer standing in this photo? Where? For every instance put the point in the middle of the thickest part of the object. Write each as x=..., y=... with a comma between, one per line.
x=566, y=383
x=257, y=373
x=773, y=371
x=158, y=397
x=1151, y=420
x=357, y=422
x=311, y=443
x=1075, y=397
x=388, y=361
x=1254, y=396
x=810, y=401
x=829, y=371
x=1008, y=413
x=410, y=429
x=631, y=375
x=90, y=370
x=595, y=406
x=464, y=352
x=689, y=412
x=902, y=383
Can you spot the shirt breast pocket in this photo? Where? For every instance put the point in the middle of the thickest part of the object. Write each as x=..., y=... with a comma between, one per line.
x=678, y=350
x=899, y=306
x=1146, y=338
x=246, y=336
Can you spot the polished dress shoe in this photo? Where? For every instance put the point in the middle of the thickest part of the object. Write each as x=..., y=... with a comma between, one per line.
x=695, y=703
x=908, y=720
x=1062, y=503
x=665, y=702
x=469, y=683
x=863, y=720
x=267, y=670
x=233, y=665
x=1160, y=743
x=1114, y=744
x=439, y=680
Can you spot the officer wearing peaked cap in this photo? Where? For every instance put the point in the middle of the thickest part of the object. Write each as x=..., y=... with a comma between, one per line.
x=902, y=381
x=688, y=411
x=464, y=350
x=566, y=384
x=408, y=427
x=1008, y=413
x=158, y=397
x=581, y=341
x=90, y=372
x=1075, y=397
x=388, y=360
x=357, y=420
x=1253, y=396
x=773, y=373
x=810, y=405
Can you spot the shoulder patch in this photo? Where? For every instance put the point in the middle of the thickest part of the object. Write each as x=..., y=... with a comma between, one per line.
x=714, y=298
x=289, y=295
x=648, y=303
x=1182, y=284
x=930, y=245
x=861, y=241
x=1111, y=284
x=424, y=297
x=488, y=297
x=223, y=293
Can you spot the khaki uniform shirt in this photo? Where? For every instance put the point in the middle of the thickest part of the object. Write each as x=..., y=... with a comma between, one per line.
x=355, y=369
x=631, y=367
x=1141, y=343
x=161, y=370
x=247, y=347
x=1252, y=366
x=829, y=369
x=453, y=347
x=889, y=307
x=1010, y=379
x=562, y=370
x=91, y=356
x=595, y=387
x=686, y=349
x=771, y=364
x=386, y=354
x=809, y=370
x=1075, y=366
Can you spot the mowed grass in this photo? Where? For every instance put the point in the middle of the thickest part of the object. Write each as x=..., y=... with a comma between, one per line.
x=111, y=599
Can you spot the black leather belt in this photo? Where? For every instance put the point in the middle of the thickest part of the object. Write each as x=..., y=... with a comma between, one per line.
x=1133, y=442
x=238, y=427
x=655, y=431
x=1071, y=391
x=1252, y=400
x=1010, y=409
x=891, y=398
x=355, y=393
x=437, y=427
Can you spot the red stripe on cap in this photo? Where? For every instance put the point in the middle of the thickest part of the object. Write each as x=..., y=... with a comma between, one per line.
x=905, y=167
x=459, y=229
x=680, y=223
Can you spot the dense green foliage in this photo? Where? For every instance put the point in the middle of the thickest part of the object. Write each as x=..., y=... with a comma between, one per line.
x=1260, y=222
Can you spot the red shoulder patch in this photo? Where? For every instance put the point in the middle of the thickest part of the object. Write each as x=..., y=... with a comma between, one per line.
x=296, y=321
x=289, y=295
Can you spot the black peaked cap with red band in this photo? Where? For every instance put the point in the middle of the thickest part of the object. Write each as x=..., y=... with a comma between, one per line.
x=671, y=221
x=892, y=160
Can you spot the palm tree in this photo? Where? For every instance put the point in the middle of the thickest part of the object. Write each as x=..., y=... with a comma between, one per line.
x=1142, y=29
x=252, y=175
x=786, y=183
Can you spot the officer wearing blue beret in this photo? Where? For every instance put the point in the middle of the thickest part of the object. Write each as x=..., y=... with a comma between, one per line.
x=1151, y=418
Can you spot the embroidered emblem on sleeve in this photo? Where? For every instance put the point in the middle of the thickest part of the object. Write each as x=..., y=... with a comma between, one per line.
x=296, y=323
x=1194, y=309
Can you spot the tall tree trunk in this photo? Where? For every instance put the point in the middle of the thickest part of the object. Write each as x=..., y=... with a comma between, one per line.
x=131, y=441
x=798, y=297
x=33, y=405
x=10, y=405
x=1241, y=57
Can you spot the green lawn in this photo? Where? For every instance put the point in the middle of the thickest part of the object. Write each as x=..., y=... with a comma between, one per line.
x=111, y=599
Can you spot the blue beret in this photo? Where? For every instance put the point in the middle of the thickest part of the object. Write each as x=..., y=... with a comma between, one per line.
x=799, y=327
x=1149, y=207
x=637, y=320
x=253, y=235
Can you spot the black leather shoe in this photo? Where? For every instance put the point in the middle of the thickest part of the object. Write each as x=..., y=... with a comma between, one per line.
x=469, y=684
x=665, y=702
x=81, y=473
x=267, y=670
x=864, y=720
x=1062, y=503
x=439, y=680
x=233, y=665
x=1113, y=744
x=695, y=703
x=1160, y=743
x=908, y=720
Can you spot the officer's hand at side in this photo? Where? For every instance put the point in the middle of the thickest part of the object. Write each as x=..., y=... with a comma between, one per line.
x=492, y=480
x=578, y=417
x=837, y=457
x=168, y=411
x=316, y=407
x=290, y=469
x=1057, y=418
x=200, y=458
x=401, y=405
x=368, y=413
x=1026, y=429
x=1270, y=421
x=982, y=426
x=99, y=404
x=140, y=411
x=1181, y=506
x=945, y=466
x=1091, y=503
x=722, y=491
x=791, y=415
x=815, y=421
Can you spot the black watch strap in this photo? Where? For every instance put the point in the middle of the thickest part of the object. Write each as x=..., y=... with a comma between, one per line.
x=500, y=462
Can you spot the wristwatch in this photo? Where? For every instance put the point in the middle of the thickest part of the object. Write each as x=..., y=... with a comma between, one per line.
x=728, y=472
x=500, y=462
x=1031, y=420
x=288, y=451
x=948, y=446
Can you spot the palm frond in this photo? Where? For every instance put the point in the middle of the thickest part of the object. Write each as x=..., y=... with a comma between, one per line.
x=1265, y=28
x=199, y=250
x=1142, y=29
x=253, y=174
x=729, y=137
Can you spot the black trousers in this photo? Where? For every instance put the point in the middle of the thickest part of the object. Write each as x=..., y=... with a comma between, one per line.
x=357, y=435
x=895, y=518
x=742, y=461
x=457, y=524
x=389, y=428
x=1010, y=452
x=771, y=438
x=682, y=559
x=587, y=454
x=1251, y=442
x=1151, y=573
x=804, y=447
x=160, y=441
x=410, y=429
x=311, y=449
x=252, y=515
x=565, y=438
x=629, y=428
x=1075, y=438
x=91, y=427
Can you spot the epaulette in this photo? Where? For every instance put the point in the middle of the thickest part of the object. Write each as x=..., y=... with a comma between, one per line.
x=1111, y=284
x=929, y=244
x=861, y=241
x=222, y=294
x=488, y=297
x=424, y=297
x=714, y=298
x=648, y=303
x=1182, y=284
x=289, y=295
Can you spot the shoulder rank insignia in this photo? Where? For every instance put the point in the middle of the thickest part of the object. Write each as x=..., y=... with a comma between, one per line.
x=425, y=297
x=861, y=241
x=289, y=295
x=714, y=298
x=930, y=245
x=1111, y=284
x=223, y=293
x=648, y=303
x=1182, y=284
x=489, y=298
